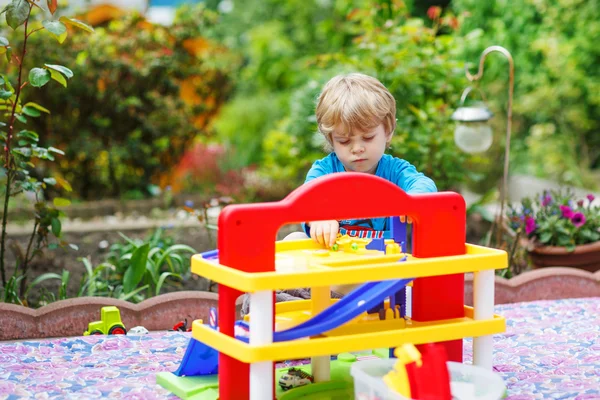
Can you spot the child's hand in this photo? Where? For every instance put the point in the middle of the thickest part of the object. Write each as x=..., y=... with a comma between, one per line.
x=404, y=218
x=324, y=232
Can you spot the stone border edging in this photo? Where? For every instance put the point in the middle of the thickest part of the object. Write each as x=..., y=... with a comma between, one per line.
x=542, y=284
x=71, y=317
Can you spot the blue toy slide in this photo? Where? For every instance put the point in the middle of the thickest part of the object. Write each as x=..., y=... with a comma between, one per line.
x=347, y=308
x=200, y=359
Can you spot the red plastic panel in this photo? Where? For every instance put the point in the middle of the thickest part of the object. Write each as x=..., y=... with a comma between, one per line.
x=247, y=235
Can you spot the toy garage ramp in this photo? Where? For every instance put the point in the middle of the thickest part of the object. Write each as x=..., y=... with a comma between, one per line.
x=346, y=309
x=199, y=359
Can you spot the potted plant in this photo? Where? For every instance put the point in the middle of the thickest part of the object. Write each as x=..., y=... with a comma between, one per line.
x=559, y=230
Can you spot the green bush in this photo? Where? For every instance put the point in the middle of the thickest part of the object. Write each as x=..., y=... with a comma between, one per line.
x=421, y=68
x=145, y=92
x=557, y=80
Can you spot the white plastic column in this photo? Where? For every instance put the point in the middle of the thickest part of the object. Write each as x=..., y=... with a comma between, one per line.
x=261, y=332
x=483, y=304
x=320, y=366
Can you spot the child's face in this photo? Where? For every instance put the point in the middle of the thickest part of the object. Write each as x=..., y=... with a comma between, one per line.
x=361, y=151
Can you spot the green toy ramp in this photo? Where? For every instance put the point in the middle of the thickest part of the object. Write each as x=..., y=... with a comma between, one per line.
x=205, y=387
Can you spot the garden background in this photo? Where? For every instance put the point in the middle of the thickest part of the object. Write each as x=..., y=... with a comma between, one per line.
x=129, y=153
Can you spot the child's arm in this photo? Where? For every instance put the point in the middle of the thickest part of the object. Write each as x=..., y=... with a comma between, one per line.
x=406, y=176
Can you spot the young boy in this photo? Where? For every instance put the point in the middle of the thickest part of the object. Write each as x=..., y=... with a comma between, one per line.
x=357, y=116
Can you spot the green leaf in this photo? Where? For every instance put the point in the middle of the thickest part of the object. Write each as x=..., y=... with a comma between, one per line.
x=37, y=107
x=58, y=77
x=57, y=29
x=42, y=278
x=17, y=13
x=162, y=278
x=38, y=77
x=21, y=118
x=50, y=181
x=545, y=237
x=129, y=295
x=136, y=269
x=56, y=226
x=30, y=111
x=61, y=202
x=76, y=23
x=57, y=151
x=5, y=94
x=8, y=53
x=63, y=70
x=3, y=41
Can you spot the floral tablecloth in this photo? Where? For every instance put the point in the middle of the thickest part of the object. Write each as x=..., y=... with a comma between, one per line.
x=551, y=350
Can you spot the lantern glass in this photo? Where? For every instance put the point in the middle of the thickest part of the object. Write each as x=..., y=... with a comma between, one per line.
x=473, y=137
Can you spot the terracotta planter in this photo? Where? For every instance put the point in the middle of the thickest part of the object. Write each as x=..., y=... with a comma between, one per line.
x=586, y=257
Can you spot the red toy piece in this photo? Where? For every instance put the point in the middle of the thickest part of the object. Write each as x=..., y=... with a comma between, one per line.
x=430, y=381
x=182, y=326
x=247, y=233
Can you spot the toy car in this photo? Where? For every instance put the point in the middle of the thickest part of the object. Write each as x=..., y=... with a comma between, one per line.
x=295, y=377
x=109, y=324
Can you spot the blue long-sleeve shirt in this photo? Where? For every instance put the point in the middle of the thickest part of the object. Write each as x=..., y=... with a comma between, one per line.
x=399, y=172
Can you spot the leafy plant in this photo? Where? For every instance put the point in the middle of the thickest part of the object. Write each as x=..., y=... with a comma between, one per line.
x=20, y=146
x=137, y=269
x=556, y=218
x=147, y=92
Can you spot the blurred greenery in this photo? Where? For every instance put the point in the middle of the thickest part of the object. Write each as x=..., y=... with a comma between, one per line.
x=245, y=77
x=282, y=76
x=557, y=80
x=145, y=92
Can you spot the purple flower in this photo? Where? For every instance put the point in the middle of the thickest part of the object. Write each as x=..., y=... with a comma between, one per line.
x=547, y=200
x=578, y=219
x=529, y=225
x=566, y=211
x=590, y=197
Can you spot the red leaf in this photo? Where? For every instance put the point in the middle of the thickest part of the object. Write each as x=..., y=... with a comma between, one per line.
x=52, y=5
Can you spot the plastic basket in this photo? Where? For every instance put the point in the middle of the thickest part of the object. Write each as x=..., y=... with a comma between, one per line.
x=466, y=381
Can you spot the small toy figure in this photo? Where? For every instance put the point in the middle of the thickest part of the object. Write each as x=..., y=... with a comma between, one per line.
x=350, y=244
x=182, y=326
x=295, y=377
x=109, y=324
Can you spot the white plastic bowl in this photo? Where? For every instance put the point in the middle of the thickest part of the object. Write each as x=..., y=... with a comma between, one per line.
x=467, y=382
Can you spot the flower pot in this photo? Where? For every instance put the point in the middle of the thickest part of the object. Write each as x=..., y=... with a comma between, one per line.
x=585, y=256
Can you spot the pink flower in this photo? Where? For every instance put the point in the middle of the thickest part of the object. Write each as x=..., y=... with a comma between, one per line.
x=566, y=211
x=547, y=200
x=578, y=219
x=529, y=225
x=590, y=197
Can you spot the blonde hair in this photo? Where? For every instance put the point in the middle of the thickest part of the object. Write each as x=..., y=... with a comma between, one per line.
x=355, y=101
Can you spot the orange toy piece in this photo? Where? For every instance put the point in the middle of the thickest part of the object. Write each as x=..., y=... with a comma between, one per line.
x=246, y=235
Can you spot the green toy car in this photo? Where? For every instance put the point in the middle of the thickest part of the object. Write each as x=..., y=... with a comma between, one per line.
x=109, y=324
